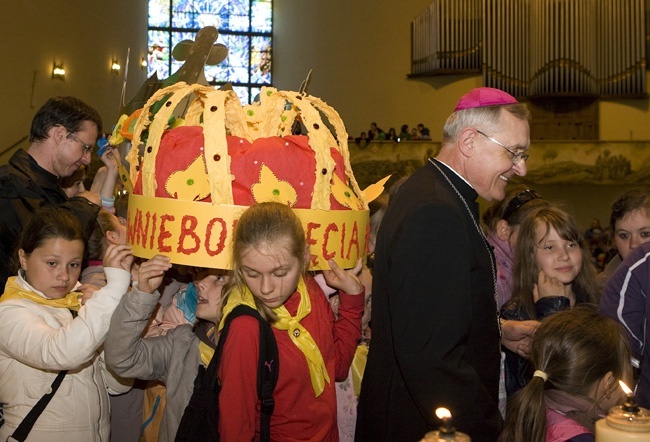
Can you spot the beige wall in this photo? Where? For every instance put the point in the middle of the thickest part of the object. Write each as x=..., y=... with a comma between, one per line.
x=359, y=51
x=360, y=54
x=85, y=35
x=625, y=120
x=585, y=202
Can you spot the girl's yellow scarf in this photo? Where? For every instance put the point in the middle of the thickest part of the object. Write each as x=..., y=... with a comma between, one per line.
x=14, y=291
x=358, y=367
x=299, y=335
x=206, y=353
x=205, y=350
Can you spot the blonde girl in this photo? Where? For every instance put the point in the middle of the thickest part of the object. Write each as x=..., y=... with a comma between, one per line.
x=270, y=258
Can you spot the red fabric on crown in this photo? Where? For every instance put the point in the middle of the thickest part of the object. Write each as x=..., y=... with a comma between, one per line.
x=289, y=158
x=178, y=148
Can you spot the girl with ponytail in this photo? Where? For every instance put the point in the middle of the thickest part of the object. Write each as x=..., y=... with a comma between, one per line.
x=578, y=357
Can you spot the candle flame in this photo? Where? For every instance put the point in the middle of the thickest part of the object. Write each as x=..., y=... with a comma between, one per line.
x=443, y=413
x=625, y=388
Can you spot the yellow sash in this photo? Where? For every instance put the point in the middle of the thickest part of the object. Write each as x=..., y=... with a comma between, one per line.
x=14, y=291
x=299, y=335
x=206, y=352
x=358, y=367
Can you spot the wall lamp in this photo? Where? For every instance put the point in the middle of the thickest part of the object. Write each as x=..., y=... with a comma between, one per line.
x=115, y=67
x=58, y=72
x=143, y=63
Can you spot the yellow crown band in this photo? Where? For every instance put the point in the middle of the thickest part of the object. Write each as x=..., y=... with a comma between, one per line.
x=200, y=234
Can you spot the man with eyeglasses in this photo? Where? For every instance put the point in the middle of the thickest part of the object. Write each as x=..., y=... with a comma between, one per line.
x=62, y=137
x=435, y=330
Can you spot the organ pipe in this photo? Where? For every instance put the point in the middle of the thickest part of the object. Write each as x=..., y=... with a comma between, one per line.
x=536, y=47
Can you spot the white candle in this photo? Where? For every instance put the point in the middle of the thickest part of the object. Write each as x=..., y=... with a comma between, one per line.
x=624, y=423
x=607, y=433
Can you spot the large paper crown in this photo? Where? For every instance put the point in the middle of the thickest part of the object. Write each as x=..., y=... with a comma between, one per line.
x=192, y=182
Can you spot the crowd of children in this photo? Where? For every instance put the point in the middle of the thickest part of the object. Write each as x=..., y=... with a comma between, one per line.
x=82, y=321
x=375, y=133
x=546, y=273
x=543, y=268
x=51, y=323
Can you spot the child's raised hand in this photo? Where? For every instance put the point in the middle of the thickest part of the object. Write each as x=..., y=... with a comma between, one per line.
x=548, y=286
x=118, y=256
x=110, y=160
x=151, y=272
x=345, y=281
x=87, y=291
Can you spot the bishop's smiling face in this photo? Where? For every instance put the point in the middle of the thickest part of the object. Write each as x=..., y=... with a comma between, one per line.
x=491, y=167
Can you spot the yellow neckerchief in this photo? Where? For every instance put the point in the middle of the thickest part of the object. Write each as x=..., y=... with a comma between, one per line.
x=358, y=367
x=298, y=334
x=15, y=290
x=206, y=352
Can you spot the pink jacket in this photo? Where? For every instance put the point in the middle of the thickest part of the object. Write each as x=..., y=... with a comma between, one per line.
x=560, y=427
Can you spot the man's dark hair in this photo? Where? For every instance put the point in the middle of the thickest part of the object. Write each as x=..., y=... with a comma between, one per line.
x=69, y=112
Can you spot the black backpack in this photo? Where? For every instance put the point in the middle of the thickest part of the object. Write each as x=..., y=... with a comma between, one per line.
x=200, y=421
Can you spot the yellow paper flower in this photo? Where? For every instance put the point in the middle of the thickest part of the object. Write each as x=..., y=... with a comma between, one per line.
x=270, y=188
x=190, y=184
x=116, y=137
x=344, y=195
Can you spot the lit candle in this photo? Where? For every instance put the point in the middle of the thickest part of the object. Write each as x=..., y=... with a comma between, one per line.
x=624, y=423
x=629, y=405
x=446, y=432
x=445, y=415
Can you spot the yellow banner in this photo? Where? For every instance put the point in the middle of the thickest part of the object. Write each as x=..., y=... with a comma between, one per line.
x=201, y=234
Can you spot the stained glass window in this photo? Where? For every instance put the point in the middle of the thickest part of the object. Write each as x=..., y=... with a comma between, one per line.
x=245, y=27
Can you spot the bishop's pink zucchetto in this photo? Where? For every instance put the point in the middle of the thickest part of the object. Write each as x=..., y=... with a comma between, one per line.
x=484, y=96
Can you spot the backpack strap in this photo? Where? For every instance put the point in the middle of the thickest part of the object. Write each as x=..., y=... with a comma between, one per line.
x=200, y=421
x=267, y=365
x=267, y=378
x=23, y=429
x=21, y=433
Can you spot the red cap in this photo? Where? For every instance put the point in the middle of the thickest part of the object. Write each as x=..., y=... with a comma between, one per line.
x=484, y=96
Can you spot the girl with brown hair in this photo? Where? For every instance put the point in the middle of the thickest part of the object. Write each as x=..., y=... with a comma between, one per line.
x=579, y=356
x=553, y=272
